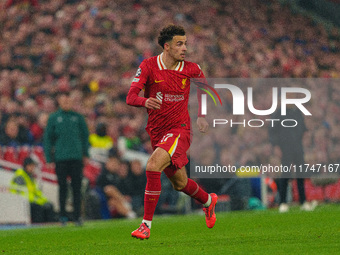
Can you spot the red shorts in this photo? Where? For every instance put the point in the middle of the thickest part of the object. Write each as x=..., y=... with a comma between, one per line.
x=176, y=142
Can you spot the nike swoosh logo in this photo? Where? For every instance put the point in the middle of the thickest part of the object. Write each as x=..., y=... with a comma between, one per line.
x=158, y=81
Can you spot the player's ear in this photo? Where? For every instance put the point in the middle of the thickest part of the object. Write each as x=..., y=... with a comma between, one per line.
x=166, y=46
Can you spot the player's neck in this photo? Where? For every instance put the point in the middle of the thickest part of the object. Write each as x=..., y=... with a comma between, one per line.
x=169, y=62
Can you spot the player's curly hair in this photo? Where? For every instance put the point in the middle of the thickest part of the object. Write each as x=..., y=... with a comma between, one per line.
x=168, y=32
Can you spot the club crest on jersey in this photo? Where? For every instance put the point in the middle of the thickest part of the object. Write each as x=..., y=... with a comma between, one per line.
x=159, y=96
x=184, y=83
x=139, y=72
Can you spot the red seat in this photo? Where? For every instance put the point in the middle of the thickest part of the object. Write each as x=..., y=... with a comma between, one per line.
x=48, y=174
x=23, y=152
x=39, y=152
x=332, y=191
x=10, y=154
x=91, y=172
x=313, y=192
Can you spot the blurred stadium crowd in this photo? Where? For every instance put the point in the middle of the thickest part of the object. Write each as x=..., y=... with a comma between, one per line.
x=93, y=48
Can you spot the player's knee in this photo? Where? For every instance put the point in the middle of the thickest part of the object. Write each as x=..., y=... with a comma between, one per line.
x=178, y=188
x=152, y=166
x=178, y=185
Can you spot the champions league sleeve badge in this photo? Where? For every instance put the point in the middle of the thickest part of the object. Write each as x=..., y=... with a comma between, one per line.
x=139, y=72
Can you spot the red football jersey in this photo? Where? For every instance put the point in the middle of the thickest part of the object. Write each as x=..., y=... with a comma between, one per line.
x=171, y=87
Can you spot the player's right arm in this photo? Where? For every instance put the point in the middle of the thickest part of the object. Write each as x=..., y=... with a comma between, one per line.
x=137, y=85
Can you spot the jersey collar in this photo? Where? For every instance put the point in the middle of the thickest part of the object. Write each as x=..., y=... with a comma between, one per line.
x=161, y=65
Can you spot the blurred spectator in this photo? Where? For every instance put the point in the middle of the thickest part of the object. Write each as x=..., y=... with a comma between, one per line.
x=289, y=143
x=167, y=203
x=132, y=140
x=11, y=109
x=108, y=182
x=23, y=183
x=124, y=184
x=138, y=180
x=100, y=143
x=9, y=3
x=14, y=134
x=25, y=134
x=38, y=127
x=9, y=134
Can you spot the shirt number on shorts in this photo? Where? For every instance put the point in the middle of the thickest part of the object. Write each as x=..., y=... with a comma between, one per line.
x=166, y=137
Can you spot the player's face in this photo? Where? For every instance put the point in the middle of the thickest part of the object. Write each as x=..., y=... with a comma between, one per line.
x=178, y=47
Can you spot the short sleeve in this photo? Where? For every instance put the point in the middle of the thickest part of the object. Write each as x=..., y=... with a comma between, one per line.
x=141, y=75
x=200, y=73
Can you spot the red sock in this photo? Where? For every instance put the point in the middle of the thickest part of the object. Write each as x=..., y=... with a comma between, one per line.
x=152, y=193
x=193, y=190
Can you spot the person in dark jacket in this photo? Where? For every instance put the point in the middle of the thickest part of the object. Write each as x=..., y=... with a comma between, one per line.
x=66, y=147
x=138, y=180
x=289, y=142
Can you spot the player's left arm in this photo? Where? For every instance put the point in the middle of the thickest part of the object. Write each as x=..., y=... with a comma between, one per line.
x=202, y=123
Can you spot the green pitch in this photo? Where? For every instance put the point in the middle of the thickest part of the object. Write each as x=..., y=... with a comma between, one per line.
x=250, y=232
